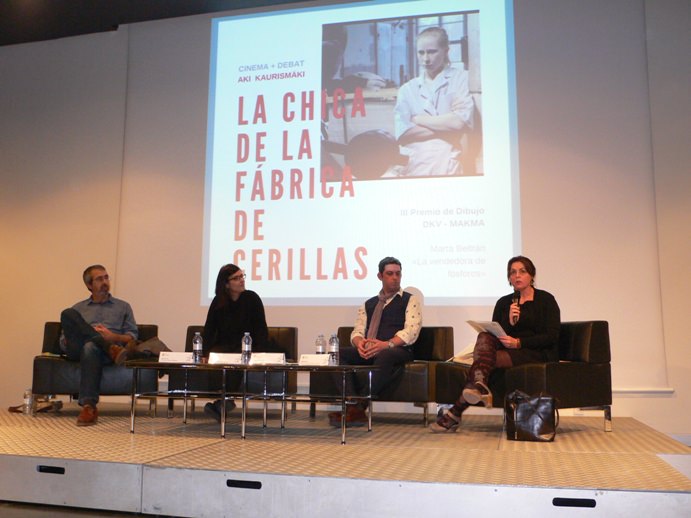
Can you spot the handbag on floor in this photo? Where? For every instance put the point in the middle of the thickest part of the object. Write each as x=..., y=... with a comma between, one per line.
x=530, y=418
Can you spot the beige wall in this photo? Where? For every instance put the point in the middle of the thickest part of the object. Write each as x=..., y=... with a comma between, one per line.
x=102, y=148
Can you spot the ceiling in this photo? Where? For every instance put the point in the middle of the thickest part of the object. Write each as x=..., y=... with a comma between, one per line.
x=23, y=21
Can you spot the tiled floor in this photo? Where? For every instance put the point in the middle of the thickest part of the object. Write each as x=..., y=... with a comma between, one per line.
x=632, y=457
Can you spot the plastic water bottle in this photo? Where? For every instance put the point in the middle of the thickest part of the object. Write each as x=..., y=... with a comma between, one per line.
x=197, y=348
x=28, y=402
x=333, y=350
x=320, y=344
x=246, y=348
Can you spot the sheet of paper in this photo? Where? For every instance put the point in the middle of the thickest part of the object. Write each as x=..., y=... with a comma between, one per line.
x=225, y=358
x=267, y=359
x=175, y=357
x=314, y=359
x=489, y=327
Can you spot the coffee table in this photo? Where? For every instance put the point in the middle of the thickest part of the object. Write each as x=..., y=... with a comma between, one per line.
x=282, y=396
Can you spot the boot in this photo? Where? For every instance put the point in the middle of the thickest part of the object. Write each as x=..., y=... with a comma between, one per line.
x=449, y=420
x=476, y=389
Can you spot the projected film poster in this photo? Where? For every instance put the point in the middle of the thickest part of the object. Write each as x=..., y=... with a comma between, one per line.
x=342, y=135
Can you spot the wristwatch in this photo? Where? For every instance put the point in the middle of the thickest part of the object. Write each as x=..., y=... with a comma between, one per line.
x=391, y=344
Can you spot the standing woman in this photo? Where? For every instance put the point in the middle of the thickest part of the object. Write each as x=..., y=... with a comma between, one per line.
x=531, y=319
x=233, y=311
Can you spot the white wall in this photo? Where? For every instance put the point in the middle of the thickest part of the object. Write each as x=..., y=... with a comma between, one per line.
x=62, y=107
x=102, y=145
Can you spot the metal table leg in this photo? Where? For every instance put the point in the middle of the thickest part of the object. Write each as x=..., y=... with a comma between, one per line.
x=369, y=401
x=223, y=403
x=134, y=397
x=343, y=407
x=243, y=420
x=284, y=389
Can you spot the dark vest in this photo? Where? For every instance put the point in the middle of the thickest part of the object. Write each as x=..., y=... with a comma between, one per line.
x=392, y=318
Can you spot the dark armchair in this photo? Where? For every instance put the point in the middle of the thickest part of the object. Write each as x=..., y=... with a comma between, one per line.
x=582, y=377
x=416, y=382
x=55, y=375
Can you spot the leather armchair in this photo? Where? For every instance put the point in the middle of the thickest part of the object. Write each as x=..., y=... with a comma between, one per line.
x=54, y=374
x=582, y=377
x=416, y=382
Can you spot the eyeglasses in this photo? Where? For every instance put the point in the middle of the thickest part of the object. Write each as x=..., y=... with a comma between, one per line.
x=238, y=277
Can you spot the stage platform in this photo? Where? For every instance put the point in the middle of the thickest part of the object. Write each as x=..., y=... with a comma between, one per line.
x=398, y=469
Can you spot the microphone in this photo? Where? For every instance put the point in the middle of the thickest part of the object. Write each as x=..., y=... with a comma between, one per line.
x=516, y=299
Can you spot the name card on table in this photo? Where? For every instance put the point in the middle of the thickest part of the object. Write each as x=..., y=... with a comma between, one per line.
x=225, y=358
x=267, y=359
x=314, y=359
x=175, y=357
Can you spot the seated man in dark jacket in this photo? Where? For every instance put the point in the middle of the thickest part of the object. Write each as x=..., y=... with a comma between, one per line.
x=386, y=328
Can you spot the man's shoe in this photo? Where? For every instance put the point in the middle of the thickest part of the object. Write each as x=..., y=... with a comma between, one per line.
x=118, y=354
x=131, y=347
x=355, y=416
x=214, y=409
x=88, y=416
x=335, y=418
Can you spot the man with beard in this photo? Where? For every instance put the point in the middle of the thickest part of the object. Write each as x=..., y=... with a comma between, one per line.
x=96, y=332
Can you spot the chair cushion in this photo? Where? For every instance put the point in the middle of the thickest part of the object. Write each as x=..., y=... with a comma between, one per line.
x=55, y=375
x=582, y=379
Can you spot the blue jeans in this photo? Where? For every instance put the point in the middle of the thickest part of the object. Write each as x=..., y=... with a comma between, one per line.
x=86, y=346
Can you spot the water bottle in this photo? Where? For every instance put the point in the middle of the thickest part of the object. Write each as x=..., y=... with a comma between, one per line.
x=320, y=344
x=333, y=350
x=246, y=348
x=197, y=348
x=28, y=402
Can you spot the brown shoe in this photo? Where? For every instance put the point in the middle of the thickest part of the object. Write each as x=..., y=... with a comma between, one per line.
x=88, y=416
x=446, y=422
x=477, y=393
x=118, y=354
x=131, y=347
x=355, y=416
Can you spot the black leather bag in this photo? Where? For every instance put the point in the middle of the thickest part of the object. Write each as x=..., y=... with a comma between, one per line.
x=530, y=418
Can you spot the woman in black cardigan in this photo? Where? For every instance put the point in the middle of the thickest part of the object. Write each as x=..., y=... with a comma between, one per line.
x=233, y=311
x=531, y=319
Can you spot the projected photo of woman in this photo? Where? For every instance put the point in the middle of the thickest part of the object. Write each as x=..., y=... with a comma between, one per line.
x=433, y=110
x=402, y=97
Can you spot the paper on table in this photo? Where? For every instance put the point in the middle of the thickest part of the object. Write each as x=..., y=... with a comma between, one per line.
x=267, y=359
x=225, y=359
x=314, y=359
x=175, y=357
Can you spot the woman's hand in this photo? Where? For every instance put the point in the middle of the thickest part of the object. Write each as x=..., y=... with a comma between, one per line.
x=510, y=342
x=514, y=313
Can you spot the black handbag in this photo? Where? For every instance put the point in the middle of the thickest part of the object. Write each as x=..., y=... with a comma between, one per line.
x=530, y=418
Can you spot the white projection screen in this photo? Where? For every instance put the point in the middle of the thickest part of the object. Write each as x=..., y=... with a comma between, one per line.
x=308, y=185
